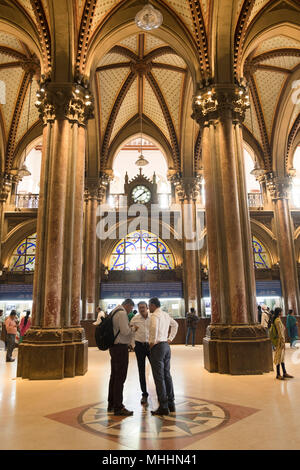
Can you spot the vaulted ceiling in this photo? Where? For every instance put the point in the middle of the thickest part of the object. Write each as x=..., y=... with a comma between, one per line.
x=141, y=79
x=145, y=75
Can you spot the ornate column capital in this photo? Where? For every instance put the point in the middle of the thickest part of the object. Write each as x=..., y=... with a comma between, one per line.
x=95, y=188
x=187, y=188
x=214, y=102
x=279, y=187
x=71, y=101
x=6, y=180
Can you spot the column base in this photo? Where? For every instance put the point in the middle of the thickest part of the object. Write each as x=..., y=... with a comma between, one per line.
x=237, y=350
x=49, y=354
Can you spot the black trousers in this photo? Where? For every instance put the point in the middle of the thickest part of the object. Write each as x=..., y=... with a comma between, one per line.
x=142, y=350
x=119, y=367
x=10, y=345
x=160, y=358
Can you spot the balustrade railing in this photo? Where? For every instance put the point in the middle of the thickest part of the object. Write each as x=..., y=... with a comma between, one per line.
x=26, y=201
x=255, y=200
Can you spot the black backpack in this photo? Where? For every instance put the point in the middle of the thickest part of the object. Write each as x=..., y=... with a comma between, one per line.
x=104, y=333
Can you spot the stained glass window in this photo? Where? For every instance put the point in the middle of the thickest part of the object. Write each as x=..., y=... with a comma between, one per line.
x=141, y=251
x=261, y=256
x=23, y=257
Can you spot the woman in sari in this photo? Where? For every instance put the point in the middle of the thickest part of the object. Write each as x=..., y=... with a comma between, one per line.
x=291, y=324
x=25, y=325
x=279, y=343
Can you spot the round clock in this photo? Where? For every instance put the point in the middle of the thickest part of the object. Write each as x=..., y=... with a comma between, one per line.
x=141, y=194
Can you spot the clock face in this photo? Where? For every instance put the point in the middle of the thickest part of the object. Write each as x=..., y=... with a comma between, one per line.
x=141, y=195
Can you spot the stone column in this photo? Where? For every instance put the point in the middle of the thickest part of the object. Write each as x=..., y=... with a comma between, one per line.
x=94, y=195
x=234, y=342
x=279, y=190
x=5, y=188
x=188, y=192
x=55, y=346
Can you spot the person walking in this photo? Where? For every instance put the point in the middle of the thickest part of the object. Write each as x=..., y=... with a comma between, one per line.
x=141, y=345
x=191, y=323
x=11, y=325
x=119, y=358
x=259, y=313
x=160, y=356
x=265, y=316
x=25, y=324
x=100, y=314
x=291, y=324
x=277, y=336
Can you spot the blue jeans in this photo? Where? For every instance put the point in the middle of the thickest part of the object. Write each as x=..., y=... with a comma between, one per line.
x=160, y=358
x=189, y=330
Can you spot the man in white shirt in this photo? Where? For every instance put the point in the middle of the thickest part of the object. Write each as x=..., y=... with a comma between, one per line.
x=141, y=345
x=100, y=315
x=160, y=356
x=119, y=358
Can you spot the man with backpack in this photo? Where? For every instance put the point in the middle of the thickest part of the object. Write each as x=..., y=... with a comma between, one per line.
x=119, y=357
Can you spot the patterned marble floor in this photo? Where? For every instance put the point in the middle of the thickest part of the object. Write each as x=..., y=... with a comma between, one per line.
x=212, y=411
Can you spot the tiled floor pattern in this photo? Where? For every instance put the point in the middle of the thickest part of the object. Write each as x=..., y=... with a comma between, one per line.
x=194, y=419
x=213, y=411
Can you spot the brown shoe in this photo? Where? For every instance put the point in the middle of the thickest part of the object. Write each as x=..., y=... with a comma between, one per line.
x=160, y=412
x=287, y=376
x=279, y=377
x=123, y=412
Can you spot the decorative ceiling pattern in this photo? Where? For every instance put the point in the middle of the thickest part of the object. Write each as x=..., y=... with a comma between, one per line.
x=141, y=76
x=111, y=81
x=128, y=109
x=171, y=82
x=14, y=61
x=153, y=110
x=182, y=8
x=28, y=110
x=258, y=5
x=269, y=86
x=284, y=61
x=251, y=122
x=102, y=8
x=152, y=42
x=278, y=42
x=12, y=79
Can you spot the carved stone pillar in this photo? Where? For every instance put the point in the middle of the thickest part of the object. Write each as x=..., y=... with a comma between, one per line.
x=5, y=188
x=234, y=342
x=55, y=346
x=279, y=190
x=94, y=195
x=188, y=191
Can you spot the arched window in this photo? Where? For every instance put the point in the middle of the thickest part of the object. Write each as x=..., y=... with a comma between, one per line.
x=23, y=257
x=261, y=256
x=141, y=251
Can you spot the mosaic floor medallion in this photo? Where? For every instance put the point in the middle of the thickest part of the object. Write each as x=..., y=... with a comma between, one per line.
x=194, y=419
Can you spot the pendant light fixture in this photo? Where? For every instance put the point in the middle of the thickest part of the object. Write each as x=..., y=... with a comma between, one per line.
x=148, y=18
x=141, y=161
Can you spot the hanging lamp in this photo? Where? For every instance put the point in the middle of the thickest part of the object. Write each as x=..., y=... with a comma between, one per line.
x=148, y=18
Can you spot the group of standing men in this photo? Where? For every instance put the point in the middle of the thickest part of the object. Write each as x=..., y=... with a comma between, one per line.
x=148, y=331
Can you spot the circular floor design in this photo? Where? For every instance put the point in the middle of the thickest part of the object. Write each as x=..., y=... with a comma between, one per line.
x=192, y=417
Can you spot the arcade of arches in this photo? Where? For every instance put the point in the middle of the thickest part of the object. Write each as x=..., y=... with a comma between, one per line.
x=213, y=107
